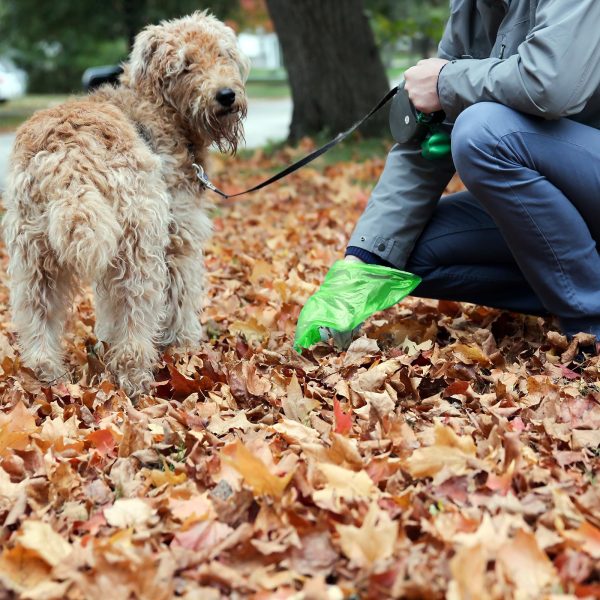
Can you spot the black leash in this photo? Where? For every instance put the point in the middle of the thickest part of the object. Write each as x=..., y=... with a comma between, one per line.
x=205, y=181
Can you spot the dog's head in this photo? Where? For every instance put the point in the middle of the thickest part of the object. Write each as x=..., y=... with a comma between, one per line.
x=193, y=64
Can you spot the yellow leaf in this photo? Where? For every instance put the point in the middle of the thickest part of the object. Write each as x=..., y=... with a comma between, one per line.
x=15, y=429
x=470, y=354
x=260, y=270
x=468, y=569
x=449, y=451
x=343, y=484
x=39, y=537
x=254, y=471
x=250, y=329
x=372, y=542
x=167, y=476
x=21, y=569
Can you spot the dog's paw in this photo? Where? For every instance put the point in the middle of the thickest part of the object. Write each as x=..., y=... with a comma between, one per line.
x=49, y=372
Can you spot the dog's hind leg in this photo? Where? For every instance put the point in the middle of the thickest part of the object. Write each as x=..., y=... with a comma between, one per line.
x=129, y=310
x=185, y=290
x=41, y=295
x=130, y=295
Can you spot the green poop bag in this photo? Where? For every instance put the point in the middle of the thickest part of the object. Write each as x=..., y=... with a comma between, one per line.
x=351, y=292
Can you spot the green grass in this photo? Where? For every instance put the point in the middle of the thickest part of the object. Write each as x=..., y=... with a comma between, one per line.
x=15, y=112
x=267, y=89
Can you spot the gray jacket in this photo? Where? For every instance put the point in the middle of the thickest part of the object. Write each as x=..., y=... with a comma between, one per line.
x=541, y=57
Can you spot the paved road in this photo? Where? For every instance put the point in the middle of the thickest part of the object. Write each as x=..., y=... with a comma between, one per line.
x=268, y=120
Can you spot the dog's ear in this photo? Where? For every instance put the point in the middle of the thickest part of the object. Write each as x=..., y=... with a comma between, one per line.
x=145, y=45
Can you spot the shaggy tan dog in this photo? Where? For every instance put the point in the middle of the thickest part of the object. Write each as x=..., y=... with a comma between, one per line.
x=102, y=189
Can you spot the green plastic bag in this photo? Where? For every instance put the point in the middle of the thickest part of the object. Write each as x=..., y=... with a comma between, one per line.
x=351, y=292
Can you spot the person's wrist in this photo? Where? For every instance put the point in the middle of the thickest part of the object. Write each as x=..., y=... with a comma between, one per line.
x=352, y=258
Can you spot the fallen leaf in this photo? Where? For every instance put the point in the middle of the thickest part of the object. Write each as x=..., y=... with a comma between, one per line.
x=372, y=542
x=254, y=471
x=449, y=452
x=15, y=429
x=587, y=538
x=343, y=421
x=22, y=569
x=128, y=512
x=526, y=566
x=39, y=537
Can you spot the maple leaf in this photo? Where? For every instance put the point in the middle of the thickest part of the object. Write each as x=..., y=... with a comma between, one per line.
x=103, y=440
x=343, y=421
x=449, y=451
x=343, y=484
x=22, y=569
x=16, y=428
x=295, y=405
x=372, y=542
x=254, y=471
x=128, y=512
x=39, y=537
x=526, y=566
x=587, y=537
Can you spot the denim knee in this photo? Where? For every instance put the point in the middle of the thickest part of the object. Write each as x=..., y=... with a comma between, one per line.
x=475, y=136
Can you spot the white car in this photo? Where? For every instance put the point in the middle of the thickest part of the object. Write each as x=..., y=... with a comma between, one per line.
x=13, y=81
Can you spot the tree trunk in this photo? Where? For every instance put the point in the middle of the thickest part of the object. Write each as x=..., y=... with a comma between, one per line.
x=333, y=64
x=133, y=18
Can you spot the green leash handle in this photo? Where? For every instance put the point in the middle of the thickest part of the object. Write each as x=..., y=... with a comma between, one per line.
x=436, y=146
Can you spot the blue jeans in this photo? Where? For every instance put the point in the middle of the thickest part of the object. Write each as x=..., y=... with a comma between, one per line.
x=523, y=238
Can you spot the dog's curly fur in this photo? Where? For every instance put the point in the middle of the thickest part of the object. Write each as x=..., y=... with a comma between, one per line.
x=102, y=189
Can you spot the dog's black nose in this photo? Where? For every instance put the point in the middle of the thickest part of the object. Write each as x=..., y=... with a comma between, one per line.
x=226, y=97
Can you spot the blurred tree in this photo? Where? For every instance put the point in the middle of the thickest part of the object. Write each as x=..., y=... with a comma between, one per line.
x=334, y=68
x=420, y=20
x=56, y=41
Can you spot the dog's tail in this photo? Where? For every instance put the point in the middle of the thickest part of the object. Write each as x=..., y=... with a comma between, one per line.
x=83, y=230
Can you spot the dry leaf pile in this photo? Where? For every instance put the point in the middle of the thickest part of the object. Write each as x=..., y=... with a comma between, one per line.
x=451, y=452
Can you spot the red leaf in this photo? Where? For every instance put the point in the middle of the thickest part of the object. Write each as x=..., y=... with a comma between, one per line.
x=343, y=421
x=183, y=386
x=103, y=440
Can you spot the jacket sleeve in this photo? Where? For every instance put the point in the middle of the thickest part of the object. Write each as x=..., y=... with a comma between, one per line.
x=553, y=74
x=401, y=204
x=405, y=197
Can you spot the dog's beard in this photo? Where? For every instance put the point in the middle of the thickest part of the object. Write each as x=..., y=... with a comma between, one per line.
x=225, y=130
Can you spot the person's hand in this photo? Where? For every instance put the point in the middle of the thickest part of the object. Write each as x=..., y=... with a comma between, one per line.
x=421, y=84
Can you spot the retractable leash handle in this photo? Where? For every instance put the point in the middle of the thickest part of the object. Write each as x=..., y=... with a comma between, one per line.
x=408, y=125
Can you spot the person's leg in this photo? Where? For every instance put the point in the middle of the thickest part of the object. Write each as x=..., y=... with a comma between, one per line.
x=540, y=182
x=462, y=256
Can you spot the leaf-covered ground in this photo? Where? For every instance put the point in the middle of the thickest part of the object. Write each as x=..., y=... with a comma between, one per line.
x=453, y=451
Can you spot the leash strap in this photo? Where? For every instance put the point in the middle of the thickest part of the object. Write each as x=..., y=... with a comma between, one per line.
x=205, y=181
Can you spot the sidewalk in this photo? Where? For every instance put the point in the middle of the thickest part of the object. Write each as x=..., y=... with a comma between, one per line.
x=268, y=120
